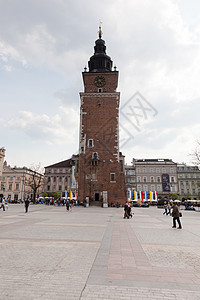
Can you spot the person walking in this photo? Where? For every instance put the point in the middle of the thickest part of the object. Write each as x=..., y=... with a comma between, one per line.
x=165, y=207
x=6, y=203
x=26, y=205
x=169, y=209
x=126, y=211
x=67, y=205
x=70, y=205
x=176, y=216
x=3, y=204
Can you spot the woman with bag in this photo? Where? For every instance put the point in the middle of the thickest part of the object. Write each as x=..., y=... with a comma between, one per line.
x=176, y=216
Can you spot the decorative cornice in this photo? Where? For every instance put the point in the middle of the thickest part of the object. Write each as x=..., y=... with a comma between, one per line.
x=104, y=95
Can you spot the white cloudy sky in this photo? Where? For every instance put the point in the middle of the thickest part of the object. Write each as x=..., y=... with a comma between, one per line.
x=44, y=46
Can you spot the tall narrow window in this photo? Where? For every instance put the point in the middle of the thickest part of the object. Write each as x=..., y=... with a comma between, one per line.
x=90, y=143
x=112, y=177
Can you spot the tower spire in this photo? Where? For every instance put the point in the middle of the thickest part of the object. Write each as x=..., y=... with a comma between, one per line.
x=100, y=31
x=100, y=62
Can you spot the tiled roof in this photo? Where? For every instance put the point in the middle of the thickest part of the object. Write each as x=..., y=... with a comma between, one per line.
x=62, y=164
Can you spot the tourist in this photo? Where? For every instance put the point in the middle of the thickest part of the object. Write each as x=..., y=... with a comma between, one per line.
x=176, y=216
x=3, y=204
x=26, y=202
x=169, y=209
x=67, y=205
x=165, y=207
x=6, y=203
x=126, y=211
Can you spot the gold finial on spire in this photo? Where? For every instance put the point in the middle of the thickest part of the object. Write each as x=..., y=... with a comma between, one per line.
x=100, y=31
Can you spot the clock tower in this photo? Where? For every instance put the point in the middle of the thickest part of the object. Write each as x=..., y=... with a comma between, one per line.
x=100, y=168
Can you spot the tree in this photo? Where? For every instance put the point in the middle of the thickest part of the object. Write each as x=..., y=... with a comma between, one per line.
x=44, y=194
x=196, y=159
x=187, y=196
x=34, y=179
x=175, y=196
x=196, y=155
x=56, y=195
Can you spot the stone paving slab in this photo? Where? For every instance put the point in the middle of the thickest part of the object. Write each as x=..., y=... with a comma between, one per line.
x=105, y=292
x=93, y=253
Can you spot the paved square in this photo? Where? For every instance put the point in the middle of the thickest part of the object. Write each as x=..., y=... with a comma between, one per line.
x=93, y=253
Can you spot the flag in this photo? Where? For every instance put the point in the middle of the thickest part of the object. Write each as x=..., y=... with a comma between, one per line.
x=70, y=195
x=146, y=196
x=76, y=196
x=135, y=195
x=141, y=196
x=132, y=195
x=66, y=195
x=156, y=196
x=151, y=196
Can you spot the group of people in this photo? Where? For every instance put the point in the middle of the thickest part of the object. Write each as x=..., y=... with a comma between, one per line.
x=127, y=211
x=176, y=214
x=167, y=207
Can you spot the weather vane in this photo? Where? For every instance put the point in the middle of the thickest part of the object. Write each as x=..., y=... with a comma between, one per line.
x=100, y=31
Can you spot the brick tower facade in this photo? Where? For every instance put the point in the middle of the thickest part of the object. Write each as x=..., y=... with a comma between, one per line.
x=101, y=168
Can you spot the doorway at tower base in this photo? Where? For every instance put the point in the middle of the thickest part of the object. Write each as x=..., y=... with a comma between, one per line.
x=105, y=199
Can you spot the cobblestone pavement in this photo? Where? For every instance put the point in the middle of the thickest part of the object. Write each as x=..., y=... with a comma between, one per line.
x=93, y=253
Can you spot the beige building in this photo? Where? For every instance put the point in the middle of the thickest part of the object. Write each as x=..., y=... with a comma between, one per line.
x=189, y=181
x=14, y=183
x=59, y=178
x=156, y=175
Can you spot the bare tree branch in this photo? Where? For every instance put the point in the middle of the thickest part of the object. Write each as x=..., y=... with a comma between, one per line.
x=34, y=179
x=196, y=155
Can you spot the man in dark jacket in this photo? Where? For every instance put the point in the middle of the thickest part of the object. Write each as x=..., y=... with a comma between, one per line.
x=126, y=208
x=26, y=205
x=176, y=216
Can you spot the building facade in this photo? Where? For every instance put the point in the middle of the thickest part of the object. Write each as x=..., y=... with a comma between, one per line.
x=100, y=168
x=189, y=181
x=130, y=178
x=15, y=183
x=155, y=175
x=59, y=178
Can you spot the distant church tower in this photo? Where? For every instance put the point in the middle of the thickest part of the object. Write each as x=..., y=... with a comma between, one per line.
x=101, y=168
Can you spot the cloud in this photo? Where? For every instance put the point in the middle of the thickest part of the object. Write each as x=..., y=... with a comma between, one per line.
x=57, y=129
x=156, y=51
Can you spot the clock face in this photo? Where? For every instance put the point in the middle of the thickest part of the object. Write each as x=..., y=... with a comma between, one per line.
x=99, y=81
